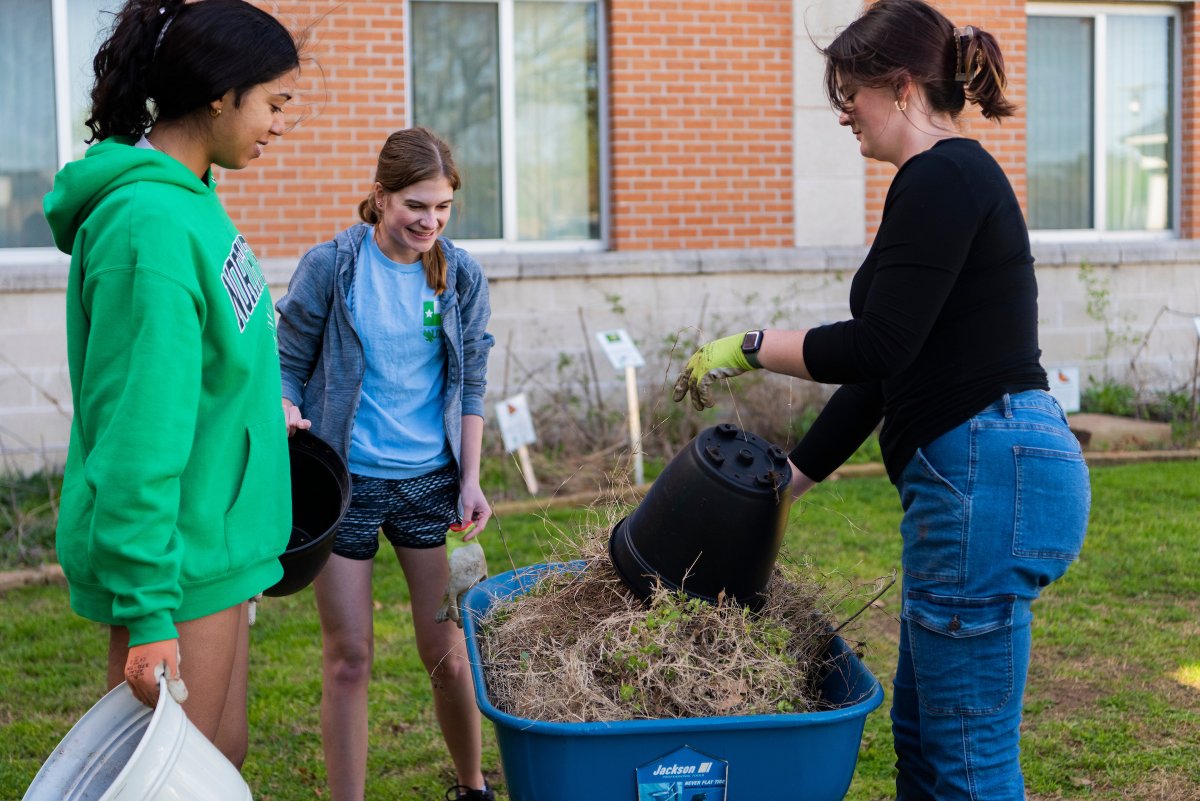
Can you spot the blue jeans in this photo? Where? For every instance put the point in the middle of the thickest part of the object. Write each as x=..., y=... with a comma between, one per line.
x=994, y=510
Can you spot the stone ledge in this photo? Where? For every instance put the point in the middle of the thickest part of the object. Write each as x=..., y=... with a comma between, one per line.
x=1106, y=458
x=1106, y=432
x=44, y=574
x=46, y=269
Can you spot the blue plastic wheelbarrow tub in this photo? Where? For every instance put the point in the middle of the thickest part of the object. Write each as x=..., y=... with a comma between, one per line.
x=809, y=755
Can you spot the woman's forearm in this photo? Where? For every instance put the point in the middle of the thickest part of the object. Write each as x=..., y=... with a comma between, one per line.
x=783, y=352
x=472, y=445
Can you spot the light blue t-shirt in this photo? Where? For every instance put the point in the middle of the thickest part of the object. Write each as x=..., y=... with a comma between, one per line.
x=398, y=430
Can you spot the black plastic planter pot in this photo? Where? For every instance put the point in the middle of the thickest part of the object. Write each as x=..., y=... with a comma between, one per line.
x=320, y=497
x=712, y=522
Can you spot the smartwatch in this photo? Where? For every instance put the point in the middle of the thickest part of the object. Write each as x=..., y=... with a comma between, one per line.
x=751, y=343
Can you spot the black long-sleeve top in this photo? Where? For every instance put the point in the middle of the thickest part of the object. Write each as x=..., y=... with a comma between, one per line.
x=944, y=314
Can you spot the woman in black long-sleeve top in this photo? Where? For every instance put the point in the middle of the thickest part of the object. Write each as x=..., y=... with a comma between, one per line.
x=942, y=349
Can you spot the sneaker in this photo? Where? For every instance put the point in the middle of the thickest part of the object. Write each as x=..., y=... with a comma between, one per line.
x=460, y=792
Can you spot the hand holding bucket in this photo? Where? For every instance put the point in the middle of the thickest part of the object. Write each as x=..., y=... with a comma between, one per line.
x=144, y=680
x=122, y=750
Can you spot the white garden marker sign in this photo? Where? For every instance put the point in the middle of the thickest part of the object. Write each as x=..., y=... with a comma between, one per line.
x=516, y=428
x=623, y=354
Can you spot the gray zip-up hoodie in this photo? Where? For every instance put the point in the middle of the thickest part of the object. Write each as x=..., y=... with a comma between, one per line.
x=321, y=355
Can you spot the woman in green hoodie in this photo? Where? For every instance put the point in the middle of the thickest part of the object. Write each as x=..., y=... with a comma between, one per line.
x=175, y=504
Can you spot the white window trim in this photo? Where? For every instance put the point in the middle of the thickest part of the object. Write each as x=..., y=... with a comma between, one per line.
x=1099, y=12
x=62, y=80
x=508, y=151
x=59, y=44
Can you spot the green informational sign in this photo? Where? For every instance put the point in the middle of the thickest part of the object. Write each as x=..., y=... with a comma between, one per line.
x=620, y=349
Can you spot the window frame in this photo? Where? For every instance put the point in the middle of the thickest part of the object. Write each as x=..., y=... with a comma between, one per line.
x=62, y=145
x=62, y=80
x=509, y=242
x=1099, y=13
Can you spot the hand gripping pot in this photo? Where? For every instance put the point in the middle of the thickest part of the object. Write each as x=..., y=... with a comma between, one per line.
x=713, y=520
x=320, y=497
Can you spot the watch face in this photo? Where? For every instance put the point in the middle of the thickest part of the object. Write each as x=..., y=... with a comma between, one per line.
x=751, y=342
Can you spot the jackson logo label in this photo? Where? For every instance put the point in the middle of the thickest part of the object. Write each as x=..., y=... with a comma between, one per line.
x=683, y=775
x=243, y=281
x=673, y=770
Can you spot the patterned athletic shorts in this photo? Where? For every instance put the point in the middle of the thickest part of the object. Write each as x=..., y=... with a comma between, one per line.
x=413, y=512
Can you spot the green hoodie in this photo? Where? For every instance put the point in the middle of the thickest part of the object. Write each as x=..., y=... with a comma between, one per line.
x=175, y=500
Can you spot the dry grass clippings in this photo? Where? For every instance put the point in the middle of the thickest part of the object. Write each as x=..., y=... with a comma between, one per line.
x=581, y=647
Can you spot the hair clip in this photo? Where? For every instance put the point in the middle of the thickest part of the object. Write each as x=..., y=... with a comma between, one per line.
x=960, y=66
x=161, y=33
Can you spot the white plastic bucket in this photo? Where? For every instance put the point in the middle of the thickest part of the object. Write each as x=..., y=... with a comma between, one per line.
x=122, y=750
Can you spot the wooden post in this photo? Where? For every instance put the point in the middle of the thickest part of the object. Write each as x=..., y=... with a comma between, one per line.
x=516, y=427
x=527, y=469
x=635, y=424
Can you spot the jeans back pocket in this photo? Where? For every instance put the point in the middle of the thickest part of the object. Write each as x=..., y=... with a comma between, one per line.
x=1052, y=506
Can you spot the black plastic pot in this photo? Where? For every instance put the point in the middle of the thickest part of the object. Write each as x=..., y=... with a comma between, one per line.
x=712, y=522
x=320, y=497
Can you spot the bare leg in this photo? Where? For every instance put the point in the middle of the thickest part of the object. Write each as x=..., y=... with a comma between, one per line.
x=233, y=735
x=443, y=651
x=213, y=658
x=343, y=591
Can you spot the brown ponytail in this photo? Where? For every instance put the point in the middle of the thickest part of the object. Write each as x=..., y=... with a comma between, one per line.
x=368, y=212
x=982, y=72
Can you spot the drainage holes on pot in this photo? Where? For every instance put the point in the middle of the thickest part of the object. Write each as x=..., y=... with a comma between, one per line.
x=709, y=524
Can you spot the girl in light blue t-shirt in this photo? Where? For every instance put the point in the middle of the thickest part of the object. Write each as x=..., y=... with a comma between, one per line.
x=383, y=348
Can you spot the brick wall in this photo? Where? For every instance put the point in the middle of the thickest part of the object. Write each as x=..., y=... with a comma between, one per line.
x=1004, y=19
x=701, y=105
x=700, y=124
x=308, y=184
x=1189, y=225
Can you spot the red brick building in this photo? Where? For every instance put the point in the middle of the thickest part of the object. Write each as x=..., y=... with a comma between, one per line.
x=654, y=164
x=695, y=127
x=678, y=111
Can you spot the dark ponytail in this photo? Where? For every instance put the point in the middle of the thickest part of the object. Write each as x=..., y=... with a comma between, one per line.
x=164, y=59
x=898, y=40
x=122, y=68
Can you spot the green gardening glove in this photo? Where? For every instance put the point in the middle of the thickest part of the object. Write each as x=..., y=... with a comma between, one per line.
x=721, y=358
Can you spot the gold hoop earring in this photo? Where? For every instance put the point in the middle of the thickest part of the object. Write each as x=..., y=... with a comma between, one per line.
x=214, y=112
x=901, y=105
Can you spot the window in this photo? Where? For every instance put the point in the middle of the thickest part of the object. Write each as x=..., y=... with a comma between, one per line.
x=1102, y=108
x=28, y=151
x=514, y=87
x=46, y=48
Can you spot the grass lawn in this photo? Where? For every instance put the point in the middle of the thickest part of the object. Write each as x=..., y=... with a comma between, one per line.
x=1112, y=711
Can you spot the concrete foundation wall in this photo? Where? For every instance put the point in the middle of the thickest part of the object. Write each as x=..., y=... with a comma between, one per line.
x=1116, y=311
